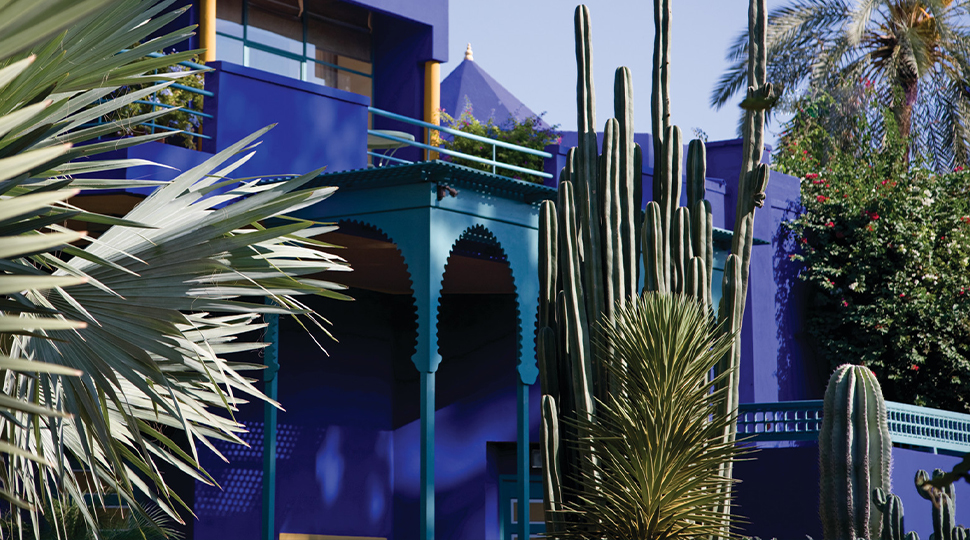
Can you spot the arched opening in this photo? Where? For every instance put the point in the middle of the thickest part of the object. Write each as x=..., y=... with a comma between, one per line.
x=335, y=438
x=476, y=381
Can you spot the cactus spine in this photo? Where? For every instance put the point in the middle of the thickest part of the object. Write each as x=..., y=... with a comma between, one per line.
x=591, y=242
x=855, y=454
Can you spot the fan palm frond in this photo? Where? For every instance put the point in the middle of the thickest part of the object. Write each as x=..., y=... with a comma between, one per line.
x=105, y=345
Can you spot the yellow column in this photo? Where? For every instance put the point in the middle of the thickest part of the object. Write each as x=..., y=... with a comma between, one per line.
x=432, y=101
x=207, y=29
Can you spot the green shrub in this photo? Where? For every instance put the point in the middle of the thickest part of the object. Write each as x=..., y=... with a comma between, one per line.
x=528, y=133
x=885, y=244
x=178, y=119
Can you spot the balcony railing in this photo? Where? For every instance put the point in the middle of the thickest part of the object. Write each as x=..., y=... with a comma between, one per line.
x=918, y=427
x=496, y=165
x=155, y=103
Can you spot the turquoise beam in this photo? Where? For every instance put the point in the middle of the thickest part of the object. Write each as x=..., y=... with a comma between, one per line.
x=271, y=357
x=427, y=456
x=523, y=459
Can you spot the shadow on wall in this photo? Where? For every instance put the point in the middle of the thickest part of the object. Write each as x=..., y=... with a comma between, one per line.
x=798, y=375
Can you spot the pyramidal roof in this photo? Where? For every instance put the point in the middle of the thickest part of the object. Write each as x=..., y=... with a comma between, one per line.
x=488, y=98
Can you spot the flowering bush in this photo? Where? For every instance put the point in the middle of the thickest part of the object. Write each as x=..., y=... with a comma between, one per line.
x=885, y=244
x=528, y=133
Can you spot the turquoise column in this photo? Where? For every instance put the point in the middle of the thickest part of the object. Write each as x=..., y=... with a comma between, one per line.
x=523, y=458
x=427, y=456
x=271, y=357
x=523, y=252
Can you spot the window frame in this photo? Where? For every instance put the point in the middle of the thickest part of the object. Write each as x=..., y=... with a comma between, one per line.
x=306, y=62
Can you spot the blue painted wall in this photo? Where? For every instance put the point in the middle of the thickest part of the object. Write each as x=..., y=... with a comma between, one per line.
x=400, y=53
x=316, y=126
x=432, y=14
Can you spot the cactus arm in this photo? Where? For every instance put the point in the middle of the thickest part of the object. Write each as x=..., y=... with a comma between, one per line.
x=655, y=268
x=880, y=442
x=750, y=185
x=699, y=241
x=659, y=119
x=681, y=249
x=862, y=442
x=615, y=215
x=891, y=508
x=677, y=167
x=637, y=215
x=548, y=274
x=731, y=306
x=709, y=243
x=614, y=242
x=696, y=172
x=629, y=178
x=550, y=464
x=548, y=369
x=575, y=315
x=667, y=205
x=548, y=262
x=696, y=281
x=608, y=198
x=586, y=163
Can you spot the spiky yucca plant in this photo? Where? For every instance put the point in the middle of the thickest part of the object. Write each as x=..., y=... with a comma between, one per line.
x=654, y=470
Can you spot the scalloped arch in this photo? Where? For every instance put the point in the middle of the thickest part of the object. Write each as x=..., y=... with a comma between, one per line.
x=489, y=248
x=375, y=260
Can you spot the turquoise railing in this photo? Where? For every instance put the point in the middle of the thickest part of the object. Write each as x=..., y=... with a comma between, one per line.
x=918, y=427
x=189, y=89
x=155, y=104
x=496, y=165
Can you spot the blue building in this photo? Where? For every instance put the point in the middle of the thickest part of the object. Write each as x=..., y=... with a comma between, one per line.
x=422, y=420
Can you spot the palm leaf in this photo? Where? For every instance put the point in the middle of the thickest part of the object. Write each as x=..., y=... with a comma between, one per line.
x=102, y=345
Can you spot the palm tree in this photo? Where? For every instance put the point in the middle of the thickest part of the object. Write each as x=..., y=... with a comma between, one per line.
x=654, y=469
x=915, y=53
x=104, y=348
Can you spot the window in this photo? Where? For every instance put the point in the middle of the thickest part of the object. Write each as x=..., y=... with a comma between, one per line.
x=329, y=43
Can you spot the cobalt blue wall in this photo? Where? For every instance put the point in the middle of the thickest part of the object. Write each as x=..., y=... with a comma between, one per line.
x=316, y=126
x=773, y=365
x=400, y=52
x=430, y=13
x=778, y=493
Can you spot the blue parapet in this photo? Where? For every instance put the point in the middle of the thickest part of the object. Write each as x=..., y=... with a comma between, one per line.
x=316, y=126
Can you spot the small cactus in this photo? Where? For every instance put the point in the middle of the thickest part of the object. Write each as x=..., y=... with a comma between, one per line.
x=891, y=508
x=944, y=507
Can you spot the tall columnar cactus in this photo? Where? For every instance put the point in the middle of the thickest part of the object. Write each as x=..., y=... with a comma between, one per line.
x=855, y=454
x=591, y=241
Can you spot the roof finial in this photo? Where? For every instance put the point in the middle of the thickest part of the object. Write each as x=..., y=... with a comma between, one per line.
x=468, y=53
